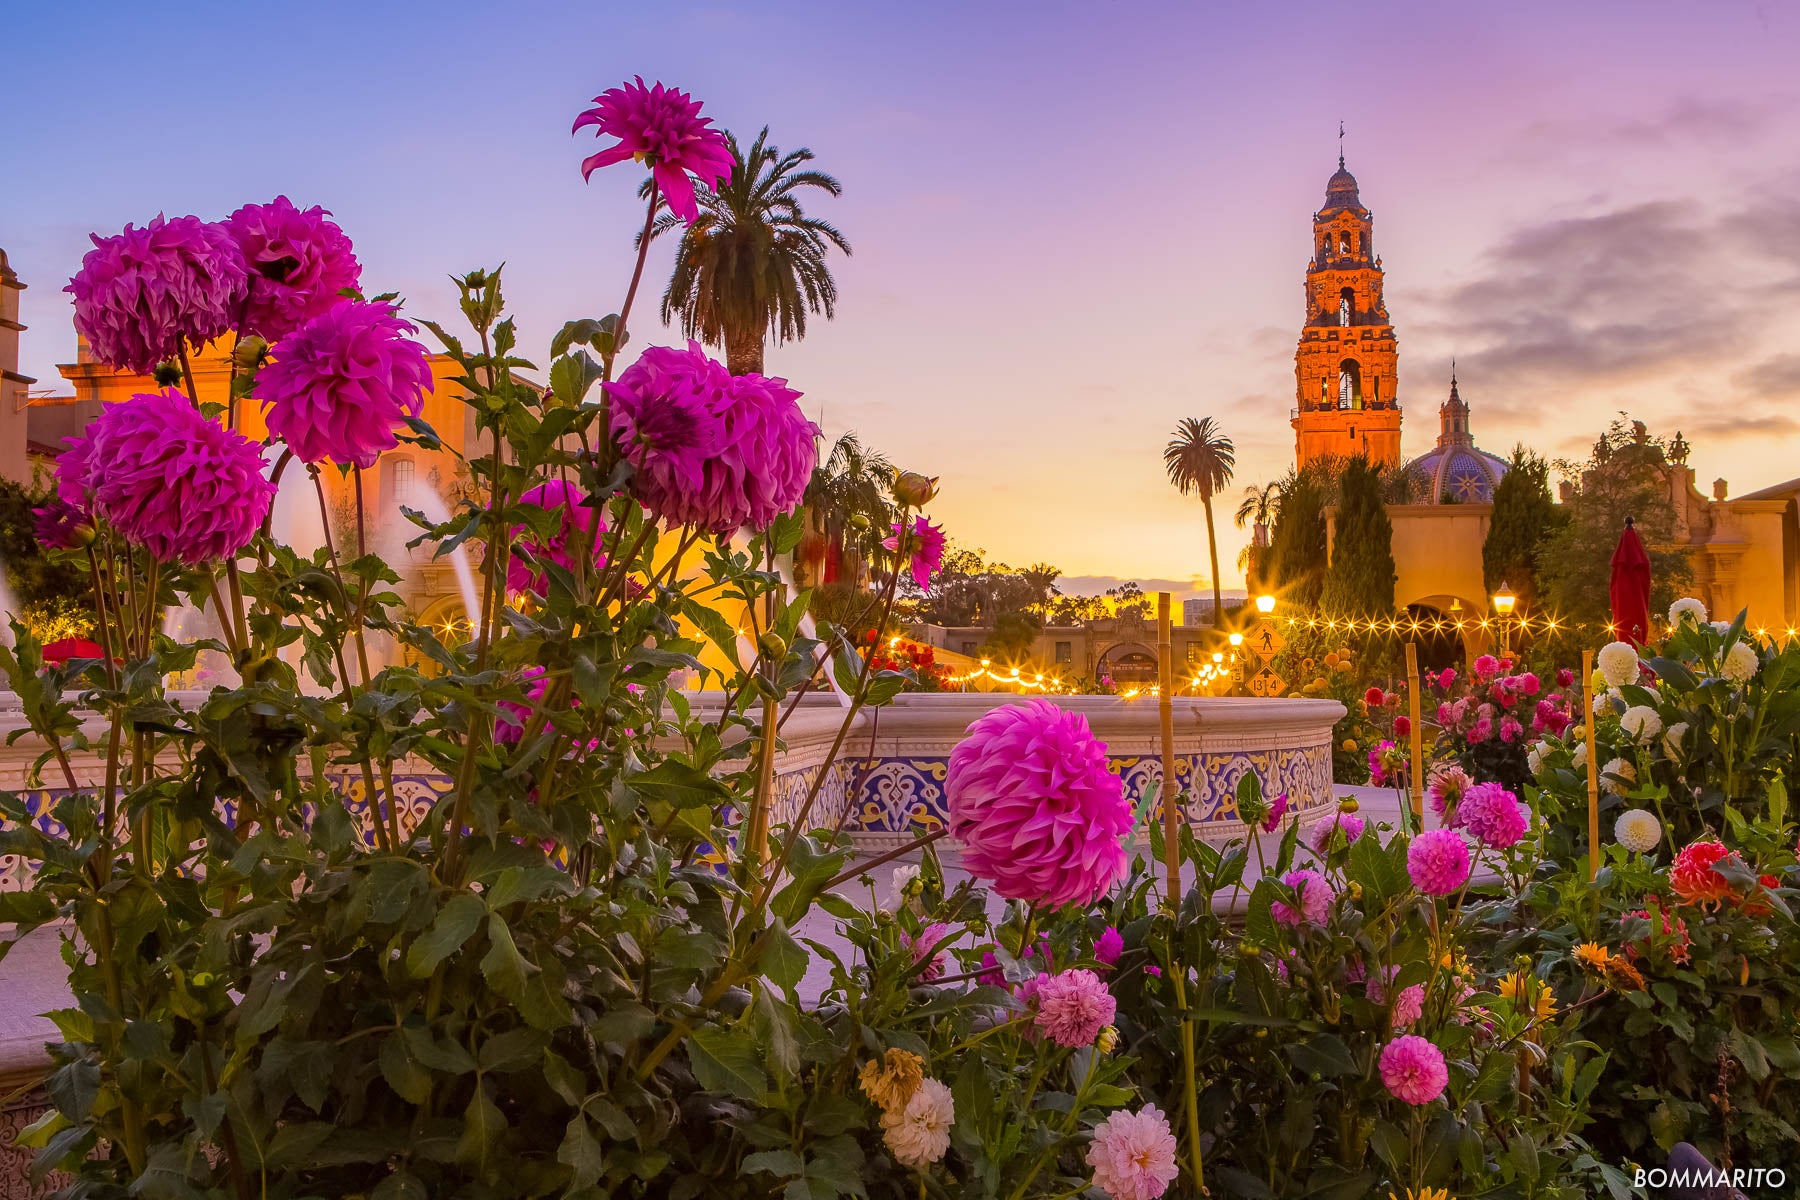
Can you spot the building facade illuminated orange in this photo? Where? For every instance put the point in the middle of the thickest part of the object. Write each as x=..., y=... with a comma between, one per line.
x=1346, y=391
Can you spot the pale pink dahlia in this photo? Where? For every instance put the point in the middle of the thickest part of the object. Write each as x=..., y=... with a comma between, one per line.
x=1133, y=1154
x=144, y=294
x=923, y=549
x=1438, y=861
x=1072, y=1007
x=1035, y=807
x=1444, y=788
x=1493, y=816
x=664, y=128
x=183, y=487
x=1314, y=894
x=1413, y=1069
x=337, y=388
x=713, y=450
x=1323, y=837
x=1408, y=1005
x=580, y=522
x=299, y=263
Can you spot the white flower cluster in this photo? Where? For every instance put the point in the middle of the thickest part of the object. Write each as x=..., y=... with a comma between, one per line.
x=1641, y=723
x=1603, y=701
x=918, y=1133
x=1618, y=663
x=1672, y=737
x=1687, y=609
x=1637, y=830
x=1741, y=663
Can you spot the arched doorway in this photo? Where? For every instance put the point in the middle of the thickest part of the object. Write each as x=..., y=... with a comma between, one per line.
x=1128, y=663
x=1439, y=644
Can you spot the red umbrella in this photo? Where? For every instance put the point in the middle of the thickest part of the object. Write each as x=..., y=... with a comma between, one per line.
x=1631, y=587
x=62, y=650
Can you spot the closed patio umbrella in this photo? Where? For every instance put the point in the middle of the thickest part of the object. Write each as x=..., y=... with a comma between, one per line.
x=1630, y=587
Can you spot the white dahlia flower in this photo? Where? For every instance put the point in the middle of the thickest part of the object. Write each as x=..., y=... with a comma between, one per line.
x=1638, y=830
x=1641, y=723
x=1618, y=663
x=1617, y=776
x=1687, y=609
x=1740, y=663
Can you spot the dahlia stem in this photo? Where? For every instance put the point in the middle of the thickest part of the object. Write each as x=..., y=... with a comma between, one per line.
x=918, y=843
x=637, y=274
x=187, y=371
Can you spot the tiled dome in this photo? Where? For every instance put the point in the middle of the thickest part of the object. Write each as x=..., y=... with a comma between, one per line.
x=1458, y=470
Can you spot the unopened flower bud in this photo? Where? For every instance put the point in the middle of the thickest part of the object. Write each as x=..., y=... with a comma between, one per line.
x=857, y=521
x=167, y=374
x=1355, y=890
x=1108, y=1040
x=249, y=352
x=1348, y=804
x=1247, y=950
x=913, y=489
x=773, y=646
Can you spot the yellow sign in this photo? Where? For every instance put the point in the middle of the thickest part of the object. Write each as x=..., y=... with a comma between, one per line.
x=1265, y=640
x=1267, y=683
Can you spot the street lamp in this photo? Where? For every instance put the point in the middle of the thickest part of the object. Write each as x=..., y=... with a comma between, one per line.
x=1504, y=602
x=1265, y=604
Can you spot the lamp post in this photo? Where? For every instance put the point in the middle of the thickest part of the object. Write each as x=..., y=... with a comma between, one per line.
x=1504, y=602
x=1265, y=604
x=1237, y=661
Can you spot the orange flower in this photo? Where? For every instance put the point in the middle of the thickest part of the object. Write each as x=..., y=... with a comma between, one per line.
x=1623, y=976
x=1592, y=955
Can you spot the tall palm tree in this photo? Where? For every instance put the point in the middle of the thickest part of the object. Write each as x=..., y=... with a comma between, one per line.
x=1041, y=579
x=1200, y=458
x=1259, y=506
x=754, y=260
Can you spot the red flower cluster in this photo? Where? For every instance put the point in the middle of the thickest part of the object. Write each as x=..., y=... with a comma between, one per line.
x=1694, y=875
x=905, y=655
x=1673, y=927
x=1496, y=704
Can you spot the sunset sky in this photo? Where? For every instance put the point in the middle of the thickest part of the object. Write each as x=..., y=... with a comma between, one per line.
x=1073, y=224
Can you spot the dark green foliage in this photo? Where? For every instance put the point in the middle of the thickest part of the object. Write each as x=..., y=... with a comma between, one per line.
x=1524, y=516
x=31, y=573
x=1297, y=547
x=1624, y=476
x=1360, y=580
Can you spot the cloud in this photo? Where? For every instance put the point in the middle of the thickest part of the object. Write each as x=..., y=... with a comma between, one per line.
x=1094, y=585
x=1774, y=378
x=1687, y=119
x=1724, y=423
x=1646, y=293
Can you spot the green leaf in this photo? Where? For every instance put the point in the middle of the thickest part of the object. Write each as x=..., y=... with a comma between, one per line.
x=725, y=1060
x=678, y=784
x=779, y=1163
x=1325, y=1054
x=454, y=924
x=503, y=966
x=513, y=1050
x=482, y=1126
x=404, y=1073
x=783, y=959
x=400, y=1186
x=581, y=1153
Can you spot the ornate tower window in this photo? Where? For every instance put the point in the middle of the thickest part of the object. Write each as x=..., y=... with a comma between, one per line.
x=1345, y=305
x=1350, y=384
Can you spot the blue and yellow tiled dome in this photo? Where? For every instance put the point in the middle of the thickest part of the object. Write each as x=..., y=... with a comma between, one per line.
x=1457, y=471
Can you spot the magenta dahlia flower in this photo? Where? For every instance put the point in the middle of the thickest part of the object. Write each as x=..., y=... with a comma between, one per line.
x=183, y=487
x=73, y=487
x=927, y=946
x=1108, y=946
x=1073, y=1007
x=1278, y=808
x=1413, y=1069
x=144, y=294
x=1324, y=836
x=923, y=549
x=1493, y=816
x=298, y=262
x=1438, y=861
x=663, y=128
x=59, y=525
x=1312, y=891
x=1035, y=807
x=1444, y=788
x=713, y=450
x=578, y=518
x=336, y=388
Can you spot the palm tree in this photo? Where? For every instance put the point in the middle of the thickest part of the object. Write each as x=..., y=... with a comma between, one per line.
x=852, y=480
x=1200, y=459
x=1260, y=506
x=754, y=260
x=1041, y=579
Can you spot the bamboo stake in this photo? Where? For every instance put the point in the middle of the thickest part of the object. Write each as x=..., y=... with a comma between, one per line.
x=1593, y=768
x=1418, y=736
x=1165, y=665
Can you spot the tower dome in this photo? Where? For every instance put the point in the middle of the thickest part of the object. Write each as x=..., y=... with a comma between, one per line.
x=1457, y=471
x=1340, y=190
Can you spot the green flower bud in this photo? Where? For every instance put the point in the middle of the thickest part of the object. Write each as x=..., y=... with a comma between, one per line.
x=167, y=374
x=913, y=489
x=773, y=646
x=249, y=352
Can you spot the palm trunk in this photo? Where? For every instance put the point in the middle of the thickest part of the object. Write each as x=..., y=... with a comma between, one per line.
x=744, y=352
x=1212, y=550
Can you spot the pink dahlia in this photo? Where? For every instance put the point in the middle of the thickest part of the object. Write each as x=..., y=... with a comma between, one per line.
x=1486, y=666
x=1324, y=836
x=1674, y=935
x=663, y=128
x=1108, y=946
x=183, y=487
x=1133, y=1154
x=923, y=549
x=1278, y=808
x=713, y=450
x=580, y=522
x=1408, y=1006
x=144, y=294
x=73, y=486
x=925, y=949
x=1493, y=816
x=1312, y=892
x=1564, y=677
x=1446, y=678
x=1444, y=788
x=1035, y=807
x=511, y=726
x=338, y=387
x=299, y=263
x=1694, y=875
x=1073, y=1007
x=1413, y=1069
x=1438, y=861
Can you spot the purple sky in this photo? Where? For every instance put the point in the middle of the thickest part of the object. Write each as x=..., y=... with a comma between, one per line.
x=1073, y=224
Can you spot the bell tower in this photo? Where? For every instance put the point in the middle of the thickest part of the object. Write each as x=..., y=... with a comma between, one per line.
x=1346, y=396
